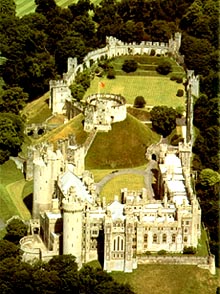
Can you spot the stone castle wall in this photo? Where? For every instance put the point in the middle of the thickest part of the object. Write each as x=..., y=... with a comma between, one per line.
x=59, y=90
x=102, y=110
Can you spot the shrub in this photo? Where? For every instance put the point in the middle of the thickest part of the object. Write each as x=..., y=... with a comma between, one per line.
x=129, y=65
x=139, y=102
x=179, y=80
x=152, y=52
x=179, y=93
x=111, y=73
x=164, y=68
x=99, y=72
x=162, y=252
x=176, y=139
x=176, y=78
x=148, y=253
x=189, y=250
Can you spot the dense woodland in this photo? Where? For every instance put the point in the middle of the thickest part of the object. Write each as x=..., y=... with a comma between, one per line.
x=36, y=47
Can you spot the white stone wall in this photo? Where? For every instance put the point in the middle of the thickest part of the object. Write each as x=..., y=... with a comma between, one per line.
x=72, y=229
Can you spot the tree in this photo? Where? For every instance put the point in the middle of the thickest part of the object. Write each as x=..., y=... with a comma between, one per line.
x=16, y=229
x=129, y=65
x=66, y=267
x=139, y=102
x=7, y=8
x=83, y=78
x=8, y=249
x=45, y=7
x=11, y=135
x=70, y=46
x=164, y=68
x=111, y=73
x=209, y=177
x=77, y=91
x=163, y=119
x=179, y=93
x=13, y=100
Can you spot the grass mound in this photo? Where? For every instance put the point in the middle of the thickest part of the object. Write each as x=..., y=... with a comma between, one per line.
x=74, y=127
x=122, y=147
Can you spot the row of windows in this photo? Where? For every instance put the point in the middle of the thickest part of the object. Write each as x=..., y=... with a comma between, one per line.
x=161, y=228
x=156, y=238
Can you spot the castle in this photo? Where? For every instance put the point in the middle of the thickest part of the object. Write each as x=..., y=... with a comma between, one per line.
x=69, y=217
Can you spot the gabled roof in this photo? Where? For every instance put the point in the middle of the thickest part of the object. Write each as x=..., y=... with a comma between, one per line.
x=116, y=209
x=68, y=179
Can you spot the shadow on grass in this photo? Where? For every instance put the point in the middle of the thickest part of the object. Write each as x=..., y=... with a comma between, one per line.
x=28, y=201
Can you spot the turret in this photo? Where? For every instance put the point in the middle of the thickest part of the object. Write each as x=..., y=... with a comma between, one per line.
x=72, y=225
x=46, y=169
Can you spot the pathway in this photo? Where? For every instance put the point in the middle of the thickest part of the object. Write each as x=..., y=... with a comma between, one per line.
x=147, y=173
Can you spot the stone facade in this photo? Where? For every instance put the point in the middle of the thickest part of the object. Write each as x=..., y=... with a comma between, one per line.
x=70, y=218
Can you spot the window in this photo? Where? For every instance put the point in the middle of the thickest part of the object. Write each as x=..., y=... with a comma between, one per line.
x=118, y=244
x=185, y=239
x=145, y=238
x=173, y=238
x=155, y=238
x=164, y=238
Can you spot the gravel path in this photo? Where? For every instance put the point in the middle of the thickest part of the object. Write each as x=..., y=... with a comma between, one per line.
x=147, y=173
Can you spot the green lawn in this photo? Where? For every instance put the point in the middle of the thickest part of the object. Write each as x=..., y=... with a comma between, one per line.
x=169, y=279
x=28, y=6
x=113, y=187
x=158, y=90
x=12, y=186
x=146, y=65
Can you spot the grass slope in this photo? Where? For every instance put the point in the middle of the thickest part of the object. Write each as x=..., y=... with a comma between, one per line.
x=38, y=110
x=169, y=279
x=12, y=192
x=124, y=146
x=73, y=127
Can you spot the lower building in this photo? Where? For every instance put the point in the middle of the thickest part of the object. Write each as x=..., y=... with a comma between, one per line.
x=74, y=220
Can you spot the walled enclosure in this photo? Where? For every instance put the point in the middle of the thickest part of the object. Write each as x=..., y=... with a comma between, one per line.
x=59, y=89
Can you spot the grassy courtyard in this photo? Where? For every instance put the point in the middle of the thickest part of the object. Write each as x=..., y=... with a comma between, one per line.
x=113, y=187
x=156, y=90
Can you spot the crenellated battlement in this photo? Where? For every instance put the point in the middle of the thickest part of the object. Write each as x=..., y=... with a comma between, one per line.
x=113, y=48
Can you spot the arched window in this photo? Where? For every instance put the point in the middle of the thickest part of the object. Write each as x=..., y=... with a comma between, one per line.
x=155, y=238
x=164, y=238
x=118, y=244
x=173, y=238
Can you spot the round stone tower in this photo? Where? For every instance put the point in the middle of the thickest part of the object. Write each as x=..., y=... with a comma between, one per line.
x=72, y=225
x=46, y=170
